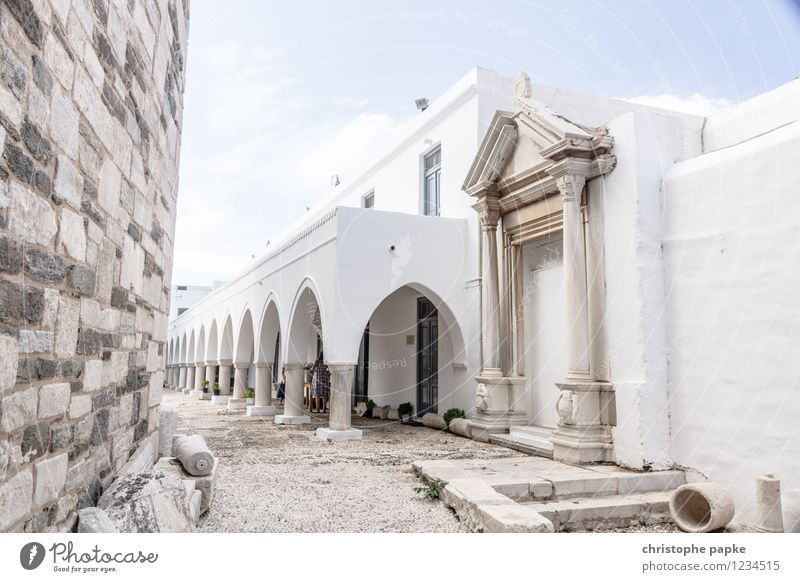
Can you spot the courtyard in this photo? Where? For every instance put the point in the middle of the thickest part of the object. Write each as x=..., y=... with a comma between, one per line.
x=280, y=478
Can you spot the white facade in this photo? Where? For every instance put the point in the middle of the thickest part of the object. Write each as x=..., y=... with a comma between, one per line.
x=672, y=238
x=182, y=297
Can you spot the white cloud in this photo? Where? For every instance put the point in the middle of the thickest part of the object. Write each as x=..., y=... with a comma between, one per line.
x=695, y=104
x=257, y=150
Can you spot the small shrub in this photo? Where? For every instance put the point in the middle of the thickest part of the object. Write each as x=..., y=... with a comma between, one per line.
x=205, y=385
x=215, y=388
x=451, y=414
x=249, y=393
x=431, y=489
x=405, y=409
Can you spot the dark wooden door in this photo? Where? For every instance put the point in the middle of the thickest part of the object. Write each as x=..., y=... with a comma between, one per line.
x=362, y=370
x=427, y=357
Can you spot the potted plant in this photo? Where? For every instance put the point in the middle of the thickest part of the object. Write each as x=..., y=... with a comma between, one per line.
x=451, y=414
x=215, y=389
x=370, y=405
x=405, y=410
x=205, y=386
x=250, y=395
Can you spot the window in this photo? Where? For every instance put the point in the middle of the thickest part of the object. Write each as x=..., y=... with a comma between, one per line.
x=368, y=200
x=181, y=310
x=181, y=287
x=432, y=167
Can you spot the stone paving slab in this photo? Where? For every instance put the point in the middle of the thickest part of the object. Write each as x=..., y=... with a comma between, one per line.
x=501, y=495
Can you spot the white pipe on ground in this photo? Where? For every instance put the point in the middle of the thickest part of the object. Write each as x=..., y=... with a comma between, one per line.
x=701, y=507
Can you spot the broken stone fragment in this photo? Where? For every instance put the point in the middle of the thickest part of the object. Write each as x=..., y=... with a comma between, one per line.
x=433, y=420
x=94, y=520
x=193, y=453
x=147, y=502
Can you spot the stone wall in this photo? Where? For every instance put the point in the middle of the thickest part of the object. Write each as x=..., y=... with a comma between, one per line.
x=90, y=124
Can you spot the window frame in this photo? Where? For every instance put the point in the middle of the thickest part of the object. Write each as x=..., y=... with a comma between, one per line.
x=424, y=175
x=367, y=196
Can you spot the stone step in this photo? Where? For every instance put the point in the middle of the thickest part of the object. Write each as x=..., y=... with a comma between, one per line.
x=531, y=432
x=529, y=442
x=597, y=513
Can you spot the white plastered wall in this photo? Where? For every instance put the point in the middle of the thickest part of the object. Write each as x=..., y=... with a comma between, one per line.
x=732, y=251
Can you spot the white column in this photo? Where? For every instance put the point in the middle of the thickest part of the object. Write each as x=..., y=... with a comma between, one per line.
x=238, y=401
x=583, y=434
x=199, y=374
x=493, y=400
x=490, y=300
x=339, y=421
x=189, y=379
x=263, y=405
x=225, y=377
x=293, y=412
x=571, y=187
x=182, y=377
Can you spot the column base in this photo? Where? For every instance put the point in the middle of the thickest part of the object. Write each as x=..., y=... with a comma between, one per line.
x=586, y=413
x=205, y=396
x=490, y=422
x=268, y=410
x=186, y=390
x=237, y=404
x=195, y=393
x=220, y=399
x=283, y=419
x=329, y=434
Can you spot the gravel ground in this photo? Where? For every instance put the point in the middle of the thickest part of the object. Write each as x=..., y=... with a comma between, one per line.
x=275, y=478
x=281, y=479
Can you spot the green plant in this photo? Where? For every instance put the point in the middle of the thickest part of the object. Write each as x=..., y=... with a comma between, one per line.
x=215, y=388
x=432, y=489
x=205, y=385
x=405, y=409
x=249, y=393
x=370, y=404
x=451, y=414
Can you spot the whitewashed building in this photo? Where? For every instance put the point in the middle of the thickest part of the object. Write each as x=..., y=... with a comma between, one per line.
x=182, y=297
x=590, y=279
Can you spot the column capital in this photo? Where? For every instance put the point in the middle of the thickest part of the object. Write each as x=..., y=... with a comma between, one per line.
x=570, y=186
x=241, y=365
x=488, y=209
x=293, y=366
x=199, y=364
x=226, y=362
x=211, y=362
x=263, y=365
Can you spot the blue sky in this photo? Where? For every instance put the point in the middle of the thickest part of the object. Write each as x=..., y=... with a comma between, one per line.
x=281, y=95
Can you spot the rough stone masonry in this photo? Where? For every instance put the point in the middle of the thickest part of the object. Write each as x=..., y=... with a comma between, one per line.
x=91, y=95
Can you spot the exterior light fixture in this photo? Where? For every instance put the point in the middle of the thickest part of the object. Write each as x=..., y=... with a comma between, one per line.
x=421, y=103
x=335, y=180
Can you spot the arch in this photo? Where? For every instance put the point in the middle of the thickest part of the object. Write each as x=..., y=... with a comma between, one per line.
x=244, y=339
x=200, y=348
x=226, y=341
x=391, y=366
x=305, y=324
x=269, y=331
x=213, y=343
x=190, y=350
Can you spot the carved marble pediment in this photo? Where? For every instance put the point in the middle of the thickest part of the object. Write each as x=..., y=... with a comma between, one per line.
x=530, y=148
